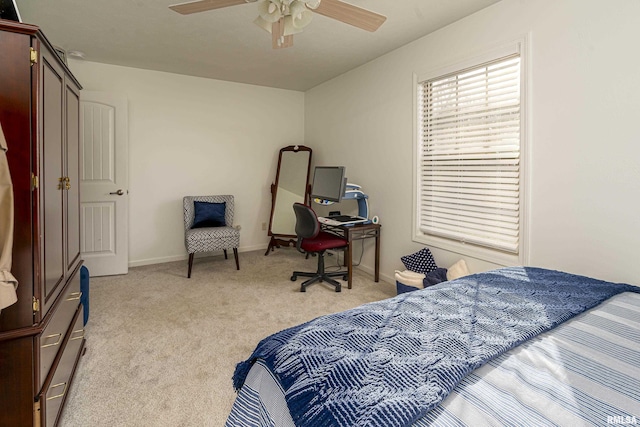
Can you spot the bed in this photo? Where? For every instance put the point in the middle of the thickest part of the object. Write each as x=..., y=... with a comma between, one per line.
x=514, y=346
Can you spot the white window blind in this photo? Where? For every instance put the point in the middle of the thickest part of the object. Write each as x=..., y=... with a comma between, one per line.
x=469, y=155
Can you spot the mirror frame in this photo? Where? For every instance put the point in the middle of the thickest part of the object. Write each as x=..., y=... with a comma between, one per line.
x=285, y=240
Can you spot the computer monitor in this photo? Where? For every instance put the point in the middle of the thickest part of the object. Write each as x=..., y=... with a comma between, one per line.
x=329, y=183
x=9, y=10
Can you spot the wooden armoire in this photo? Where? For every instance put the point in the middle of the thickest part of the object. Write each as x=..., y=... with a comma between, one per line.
x=42, y=334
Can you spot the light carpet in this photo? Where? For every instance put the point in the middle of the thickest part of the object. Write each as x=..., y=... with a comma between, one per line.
x=161, y=348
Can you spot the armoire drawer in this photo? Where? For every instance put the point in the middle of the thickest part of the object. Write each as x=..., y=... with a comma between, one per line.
x=50, y=340
x=53, y=396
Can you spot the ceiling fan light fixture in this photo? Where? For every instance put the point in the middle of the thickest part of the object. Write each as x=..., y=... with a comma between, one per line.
x=264, y=24
x=270, y=10
x=301, y=16
x=312, y=4
x=289, y=26
x=288, y=29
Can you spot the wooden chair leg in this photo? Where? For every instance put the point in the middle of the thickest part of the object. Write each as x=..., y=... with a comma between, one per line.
x=235, y=254
x=190, y=265
x=225, y=254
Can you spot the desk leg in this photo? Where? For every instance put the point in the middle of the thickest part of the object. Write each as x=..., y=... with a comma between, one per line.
x=349, y=260
x=377, y=268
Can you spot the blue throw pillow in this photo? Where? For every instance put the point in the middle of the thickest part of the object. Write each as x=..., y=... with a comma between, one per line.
x=209, y=214
x=420, y=262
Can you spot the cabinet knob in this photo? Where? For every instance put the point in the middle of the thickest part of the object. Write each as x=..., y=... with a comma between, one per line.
x=64, y=183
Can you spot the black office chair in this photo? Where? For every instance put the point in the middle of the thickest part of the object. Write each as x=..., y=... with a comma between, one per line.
x=311, y=239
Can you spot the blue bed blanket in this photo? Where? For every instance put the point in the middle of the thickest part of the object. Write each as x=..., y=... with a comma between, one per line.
x=389, y=362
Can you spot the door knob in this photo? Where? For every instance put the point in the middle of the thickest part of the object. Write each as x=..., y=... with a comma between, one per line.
x=117, y=193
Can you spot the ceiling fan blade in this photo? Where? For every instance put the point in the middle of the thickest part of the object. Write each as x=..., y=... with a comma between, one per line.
x=204, y=5
x=350, y=14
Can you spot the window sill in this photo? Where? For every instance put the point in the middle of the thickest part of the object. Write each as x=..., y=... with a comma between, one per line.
x=467, y=249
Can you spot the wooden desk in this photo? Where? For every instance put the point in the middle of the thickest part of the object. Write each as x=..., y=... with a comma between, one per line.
x=357, y=232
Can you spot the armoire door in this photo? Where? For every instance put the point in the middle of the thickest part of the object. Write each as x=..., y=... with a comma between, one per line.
x=52, y=180
x=60, y=186
x=72, y=177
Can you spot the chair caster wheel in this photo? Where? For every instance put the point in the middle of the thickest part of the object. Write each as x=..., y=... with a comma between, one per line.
x=338, y=288
x=303, y=289
x=345, y=277
x=294, y=278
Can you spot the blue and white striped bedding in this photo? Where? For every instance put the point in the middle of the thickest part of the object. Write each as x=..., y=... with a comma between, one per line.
x=584, y=372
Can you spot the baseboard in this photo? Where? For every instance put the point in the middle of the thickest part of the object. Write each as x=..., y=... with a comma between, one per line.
x=370, y=270
x=184, y=257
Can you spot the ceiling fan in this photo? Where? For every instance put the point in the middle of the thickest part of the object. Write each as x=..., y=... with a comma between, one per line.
x=284, y=18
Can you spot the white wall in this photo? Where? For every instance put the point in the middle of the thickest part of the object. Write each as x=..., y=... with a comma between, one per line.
x=195, y=136
x=584, y=152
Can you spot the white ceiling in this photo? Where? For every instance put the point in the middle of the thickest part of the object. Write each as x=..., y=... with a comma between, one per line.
x=224, y=44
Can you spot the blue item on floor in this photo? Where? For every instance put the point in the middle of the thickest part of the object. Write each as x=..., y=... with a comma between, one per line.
x=84, y=289
x=434, y=277
x=402, y=288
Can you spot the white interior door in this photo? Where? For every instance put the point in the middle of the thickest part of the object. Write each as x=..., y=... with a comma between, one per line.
x=104, y=183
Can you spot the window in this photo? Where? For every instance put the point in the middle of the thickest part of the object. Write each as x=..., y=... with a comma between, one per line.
x=468, y=152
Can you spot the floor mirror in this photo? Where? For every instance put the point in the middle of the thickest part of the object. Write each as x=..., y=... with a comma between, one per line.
x=291, y=186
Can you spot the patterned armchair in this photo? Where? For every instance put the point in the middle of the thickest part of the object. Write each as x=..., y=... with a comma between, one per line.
x=208, y=226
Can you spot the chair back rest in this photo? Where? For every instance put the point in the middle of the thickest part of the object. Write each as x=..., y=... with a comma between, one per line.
x=189, y=210
x=307, y=225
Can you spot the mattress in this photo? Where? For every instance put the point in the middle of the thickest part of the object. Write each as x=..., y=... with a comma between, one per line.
x=584, y=372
